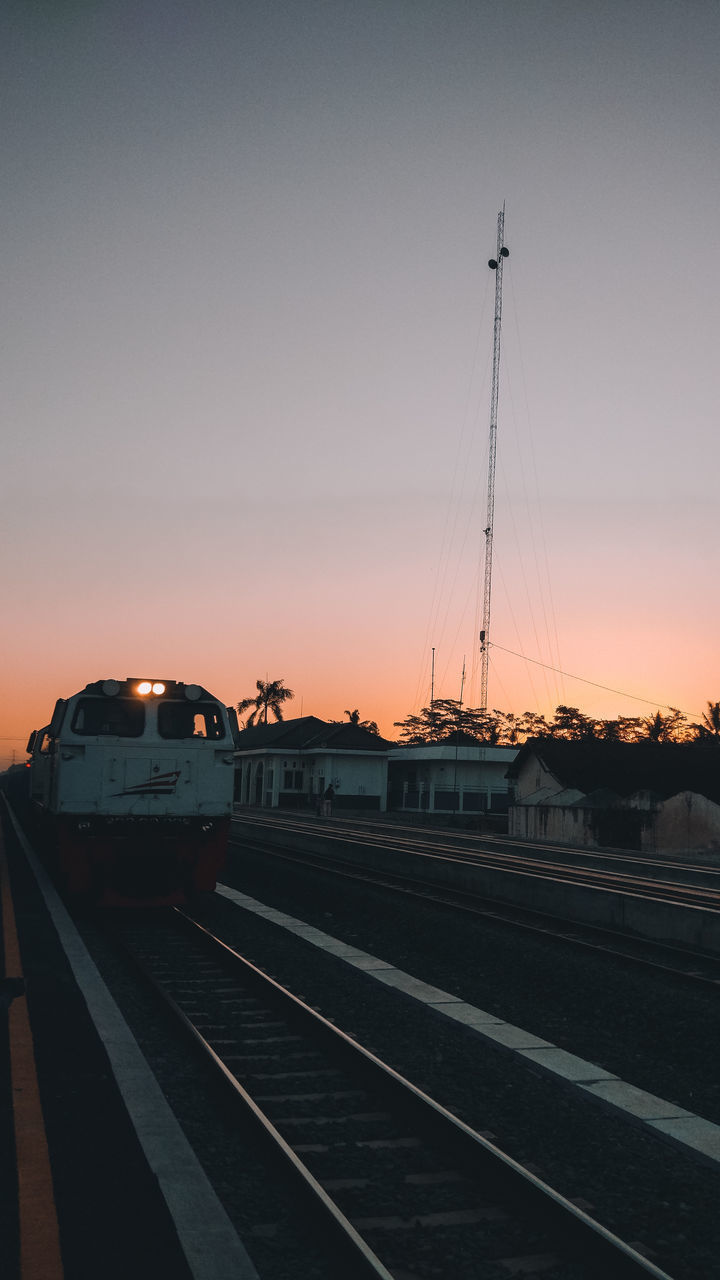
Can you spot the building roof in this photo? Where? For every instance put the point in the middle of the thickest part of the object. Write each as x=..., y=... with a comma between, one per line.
x=308, y=733
x=466, y=749
x=626, y=767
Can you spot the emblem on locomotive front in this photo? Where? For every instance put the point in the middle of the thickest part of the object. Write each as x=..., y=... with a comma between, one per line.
x=163, y=784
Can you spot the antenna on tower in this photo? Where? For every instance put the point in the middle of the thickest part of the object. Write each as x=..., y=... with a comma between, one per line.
x=496, y=265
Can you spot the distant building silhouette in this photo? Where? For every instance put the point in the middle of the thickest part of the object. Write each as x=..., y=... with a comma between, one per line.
x=654, y=797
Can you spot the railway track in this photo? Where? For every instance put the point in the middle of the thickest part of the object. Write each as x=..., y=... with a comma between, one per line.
x=660, y=867
x=398, y=1186
x=692, y=966
x=662, y=880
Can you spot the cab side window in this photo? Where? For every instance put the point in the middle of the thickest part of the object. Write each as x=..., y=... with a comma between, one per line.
x=190, y=720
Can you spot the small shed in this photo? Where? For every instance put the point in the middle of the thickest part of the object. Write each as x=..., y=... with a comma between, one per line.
x=654, y=797
x=289, y=764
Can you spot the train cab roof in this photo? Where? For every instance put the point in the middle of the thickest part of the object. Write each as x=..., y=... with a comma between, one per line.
x=147, y=687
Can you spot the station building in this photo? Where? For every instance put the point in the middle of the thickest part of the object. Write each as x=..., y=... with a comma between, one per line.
x=289, y=764
x=458, y=776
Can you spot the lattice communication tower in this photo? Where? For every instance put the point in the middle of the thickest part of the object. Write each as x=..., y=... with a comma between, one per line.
x=496, y=265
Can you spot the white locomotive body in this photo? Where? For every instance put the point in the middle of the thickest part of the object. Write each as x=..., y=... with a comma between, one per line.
x=134, y=779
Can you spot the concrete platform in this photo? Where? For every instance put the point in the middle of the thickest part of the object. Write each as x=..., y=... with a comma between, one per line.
x=661, y=1117
x=207, y=1240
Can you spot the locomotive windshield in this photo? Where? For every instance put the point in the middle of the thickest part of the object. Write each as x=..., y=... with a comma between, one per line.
x=190, y=720
x=109, y=717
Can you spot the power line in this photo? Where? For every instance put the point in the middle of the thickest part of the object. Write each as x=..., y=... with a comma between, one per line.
x=621, y=694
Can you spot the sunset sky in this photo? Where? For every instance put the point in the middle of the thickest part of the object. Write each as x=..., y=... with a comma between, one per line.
x=246, y=344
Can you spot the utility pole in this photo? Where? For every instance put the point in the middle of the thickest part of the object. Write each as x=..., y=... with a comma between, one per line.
x=457, y=738
x=432, y=679
x=496, y=265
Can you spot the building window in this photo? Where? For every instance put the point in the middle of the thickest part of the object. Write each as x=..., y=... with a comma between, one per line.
x=447, y=800
x=473, y=801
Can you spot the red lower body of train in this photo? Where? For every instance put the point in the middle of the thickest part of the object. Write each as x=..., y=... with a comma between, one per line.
x=135, y=862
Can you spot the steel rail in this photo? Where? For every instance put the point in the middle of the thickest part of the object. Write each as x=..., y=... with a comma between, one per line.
x=387, y=834
x=575, y=1233
x=361, y=1260
x=558, y=928
x=662, y=891
x=419, y=832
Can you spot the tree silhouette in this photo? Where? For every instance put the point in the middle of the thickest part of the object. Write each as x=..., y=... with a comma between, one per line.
x=670, y=728
x=269, y=697
x=711, y=719
x=570, y=723
x=354, y=718
x=447, y=716
x=500, y=728
x=532, y=725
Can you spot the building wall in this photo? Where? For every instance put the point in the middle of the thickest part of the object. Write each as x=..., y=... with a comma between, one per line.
x=533, y=777
x=290, y=780
x=439, y=779
x=554, y=824
x=359, y=782
x=583, y=827
x=686, y=823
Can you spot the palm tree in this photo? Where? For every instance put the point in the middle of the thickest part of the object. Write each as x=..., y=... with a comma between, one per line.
x=660, y=728
x=269, y=697
x=354, y=718
x=712, y=719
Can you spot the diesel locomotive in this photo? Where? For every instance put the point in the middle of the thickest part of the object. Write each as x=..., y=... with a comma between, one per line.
x=131, y=787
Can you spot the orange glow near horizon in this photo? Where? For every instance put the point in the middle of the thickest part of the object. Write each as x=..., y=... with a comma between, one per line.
x=386, y=695
x=356, y=627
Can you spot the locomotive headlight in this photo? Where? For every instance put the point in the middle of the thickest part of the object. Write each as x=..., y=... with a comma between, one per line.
x=150, y=686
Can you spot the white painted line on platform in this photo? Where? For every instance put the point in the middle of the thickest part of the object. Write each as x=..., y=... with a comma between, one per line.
x=682, y=1126
x=468, y=1014
x=515, y=1037
x=646, y=1106
x=415, y=987
x=368, y=963
x=211, y=1245
x=693, y=1132
x=570, y=1067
